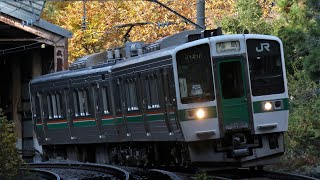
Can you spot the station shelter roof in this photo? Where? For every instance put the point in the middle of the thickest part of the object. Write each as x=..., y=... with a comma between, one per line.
x=29, y=12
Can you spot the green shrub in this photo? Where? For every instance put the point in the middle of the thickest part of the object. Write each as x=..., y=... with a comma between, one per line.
x=10, y=159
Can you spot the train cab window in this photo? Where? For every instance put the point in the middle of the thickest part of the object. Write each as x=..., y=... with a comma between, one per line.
x=105, y=100
x=130, y=91
x=266, y=69
x=195, y=74
x=152, y=91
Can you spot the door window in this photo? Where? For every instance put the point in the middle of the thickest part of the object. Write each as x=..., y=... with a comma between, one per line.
x=231, y=79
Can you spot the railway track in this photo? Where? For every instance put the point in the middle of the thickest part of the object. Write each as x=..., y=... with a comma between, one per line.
x=115, y=172
x=125, y=173
x=38, y=174
x=174, y=173
x=41, y=170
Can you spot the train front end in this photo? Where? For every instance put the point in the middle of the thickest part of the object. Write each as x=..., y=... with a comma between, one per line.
x=232, y=99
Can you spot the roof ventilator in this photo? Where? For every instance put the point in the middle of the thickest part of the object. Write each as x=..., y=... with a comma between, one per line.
x=110, y=58
x=204, y=34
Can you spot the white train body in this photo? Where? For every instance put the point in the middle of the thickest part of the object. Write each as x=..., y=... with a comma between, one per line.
x=223, y=100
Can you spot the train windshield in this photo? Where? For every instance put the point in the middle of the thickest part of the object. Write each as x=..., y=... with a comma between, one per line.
x=265, y=67
x=195, y=74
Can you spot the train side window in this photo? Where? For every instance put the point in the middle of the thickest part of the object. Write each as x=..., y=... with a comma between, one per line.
x=130, y=91
x=43, y=106
x=105, y=100
x=56, y=105
x=116, y=95
x=36, y=105
x=76, y=103
x=170, y=85
x=49, y=106
x=152, y=91
x=82, y=102
x=59, y=103
x=86, y=100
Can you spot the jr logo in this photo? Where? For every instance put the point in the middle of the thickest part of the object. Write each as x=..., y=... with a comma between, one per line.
x=265, y=46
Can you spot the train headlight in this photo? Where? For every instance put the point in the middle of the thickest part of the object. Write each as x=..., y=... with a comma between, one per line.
x=200, y=113
x=267, y=106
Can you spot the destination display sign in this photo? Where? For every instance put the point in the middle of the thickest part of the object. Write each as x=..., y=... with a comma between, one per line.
x=229, y=46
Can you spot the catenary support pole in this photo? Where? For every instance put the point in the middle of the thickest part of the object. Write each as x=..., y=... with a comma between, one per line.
x=201, y=14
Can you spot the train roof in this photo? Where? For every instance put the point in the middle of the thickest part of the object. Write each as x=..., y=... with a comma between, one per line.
x=145, y=57
x=246, y=36
x=98, y=61
x=105, y=67
x=70, y=73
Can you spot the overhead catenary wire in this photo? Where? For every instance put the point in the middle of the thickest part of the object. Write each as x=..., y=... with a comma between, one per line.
x=20, y=48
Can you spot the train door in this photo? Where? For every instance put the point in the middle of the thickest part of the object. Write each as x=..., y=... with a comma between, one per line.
x=234, y=113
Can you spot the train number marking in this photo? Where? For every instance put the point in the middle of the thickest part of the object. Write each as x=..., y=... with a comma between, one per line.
x=263, y=46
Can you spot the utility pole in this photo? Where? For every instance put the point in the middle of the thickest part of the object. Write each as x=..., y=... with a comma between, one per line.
x=200, y=14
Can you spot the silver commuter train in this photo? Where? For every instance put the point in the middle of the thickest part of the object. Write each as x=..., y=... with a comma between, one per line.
x=195, y=97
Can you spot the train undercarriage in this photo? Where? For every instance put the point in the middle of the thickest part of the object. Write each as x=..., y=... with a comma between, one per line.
x=255, y=152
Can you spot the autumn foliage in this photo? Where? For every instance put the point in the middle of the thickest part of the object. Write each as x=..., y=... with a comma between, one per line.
x=101, y=17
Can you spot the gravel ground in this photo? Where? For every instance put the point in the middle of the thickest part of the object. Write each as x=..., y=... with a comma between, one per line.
x=311, y=171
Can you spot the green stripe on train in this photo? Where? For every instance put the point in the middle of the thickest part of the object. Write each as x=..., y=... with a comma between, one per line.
x=211, y=112
x=155, y=117
x=84, y=123
x=135, y=119
x=258, y=106
x=107, y=121
x=112, y=121
x=58, y=125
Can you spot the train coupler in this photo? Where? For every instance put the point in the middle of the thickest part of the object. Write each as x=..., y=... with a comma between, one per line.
x=240, y=152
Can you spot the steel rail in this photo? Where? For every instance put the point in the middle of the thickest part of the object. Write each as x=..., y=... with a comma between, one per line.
x=112, y=170
x=39, y=173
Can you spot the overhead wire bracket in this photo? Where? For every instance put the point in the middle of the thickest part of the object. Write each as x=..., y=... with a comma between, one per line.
x=176, y=13
x=126, y=36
